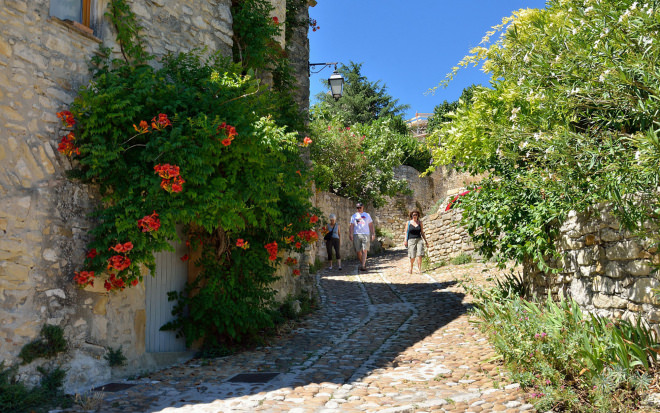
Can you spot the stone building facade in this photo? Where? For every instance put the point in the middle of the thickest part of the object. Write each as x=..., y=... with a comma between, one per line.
x=43, y=215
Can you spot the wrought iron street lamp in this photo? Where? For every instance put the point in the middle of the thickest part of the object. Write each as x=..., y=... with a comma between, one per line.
x=336, y=80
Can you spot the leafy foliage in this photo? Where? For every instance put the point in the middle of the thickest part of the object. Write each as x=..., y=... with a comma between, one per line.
x=15, y=397
x=52, y=341
x=565, y=360
x=217, y=158
x=571, y=120
x=441, y=111
x=357, y=162
x=115, y=357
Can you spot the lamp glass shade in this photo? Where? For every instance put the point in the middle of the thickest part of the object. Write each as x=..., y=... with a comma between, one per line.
x=336, y=82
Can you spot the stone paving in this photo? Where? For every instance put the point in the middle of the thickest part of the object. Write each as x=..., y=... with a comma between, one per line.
x=383, y=340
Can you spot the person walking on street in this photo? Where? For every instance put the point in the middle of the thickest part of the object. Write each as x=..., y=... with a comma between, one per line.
x=413, y=240
x=360, y=232
x=332, y=240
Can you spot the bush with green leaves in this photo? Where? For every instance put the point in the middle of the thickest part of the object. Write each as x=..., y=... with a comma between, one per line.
x=565, y=360
x=50, y=343
x=194, y=141
x=358, y=161
x=571, y=120
x=16, y=397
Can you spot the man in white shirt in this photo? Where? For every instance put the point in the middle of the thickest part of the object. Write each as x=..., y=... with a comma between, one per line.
x=361, y=228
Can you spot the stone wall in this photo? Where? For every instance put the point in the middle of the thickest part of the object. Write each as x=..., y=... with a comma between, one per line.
x=429, y=193
x=606, y=270
x=446, y=236
x=343, y=208
x=43, y=215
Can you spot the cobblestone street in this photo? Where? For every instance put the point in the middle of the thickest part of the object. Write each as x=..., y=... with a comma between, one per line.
x=382, y=341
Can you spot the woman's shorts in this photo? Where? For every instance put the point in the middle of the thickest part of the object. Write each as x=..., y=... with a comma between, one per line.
x=415, y=247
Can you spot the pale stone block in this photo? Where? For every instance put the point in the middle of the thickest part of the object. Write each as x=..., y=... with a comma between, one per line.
x=609, y=301
x=56, y=292
x=641, y=291
x=604, y=285
x=638, y=268
x=623, y=250
x=11, y=113
x=13, y=272
x=614, y=270
x=5, y=48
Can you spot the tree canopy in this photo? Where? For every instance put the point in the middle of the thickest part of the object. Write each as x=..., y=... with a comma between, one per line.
x=363, y=100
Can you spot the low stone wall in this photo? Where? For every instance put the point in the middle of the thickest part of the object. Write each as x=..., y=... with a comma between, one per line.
x=446, y=236
x=605, y=269
x=428, y=191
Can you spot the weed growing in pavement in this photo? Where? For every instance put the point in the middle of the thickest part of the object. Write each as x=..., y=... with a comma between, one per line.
x=564, y=359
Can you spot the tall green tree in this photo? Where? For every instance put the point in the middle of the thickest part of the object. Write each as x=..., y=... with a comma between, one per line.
x=441, y=111
x=362, y=102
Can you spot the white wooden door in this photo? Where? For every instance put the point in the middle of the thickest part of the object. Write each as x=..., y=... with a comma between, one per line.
x=171, y=275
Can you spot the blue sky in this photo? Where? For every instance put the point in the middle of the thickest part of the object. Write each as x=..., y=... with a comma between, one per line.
x=408, y=45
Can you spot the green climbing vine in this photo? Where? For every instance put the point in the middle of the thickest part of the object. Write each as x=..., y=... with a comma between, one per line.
x=194, y=144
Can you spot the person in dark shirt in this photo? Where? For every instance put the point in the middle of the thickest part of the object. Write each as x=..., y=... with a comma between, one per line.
x=414, y=236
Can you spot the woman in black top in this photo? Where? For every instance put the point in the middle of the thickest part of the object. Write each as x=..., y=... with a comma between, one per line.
x=414, y=236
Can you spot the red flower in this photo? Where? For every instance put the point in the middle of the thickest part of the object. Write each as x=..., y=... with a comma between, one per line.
x=296, y=272
x=160, y=122
x=314, y=219
x=125, y=247
x=66, y=145
x=298, y=172
x=167, y=171
x=229, y=131
x=291, y=261
x=306, y=141
x=114, y=282
x=143, y=128
x=185, y=258
x=92, y=253
x=119, y=262
x=149, y=223
x=298, y=245
x=67, y=118
x=84, y=278
x=276, y=20
x=272, y=250
x=134, y=282
x=174, y=185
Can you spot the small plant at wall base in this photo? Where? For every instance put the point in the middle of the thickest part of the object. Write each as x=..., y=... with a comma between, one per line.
x=16, y=397
x=52, y=341
x=115, y=357
x=191, y=143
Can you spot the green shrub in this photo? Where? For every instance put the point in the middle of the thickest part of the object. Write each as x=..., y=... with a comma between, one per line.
x=15, y=397
x=115, y=358
x=52, y=341
x=357, y=162
x=461, y=259
x=566, y=361
x=384, y=232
